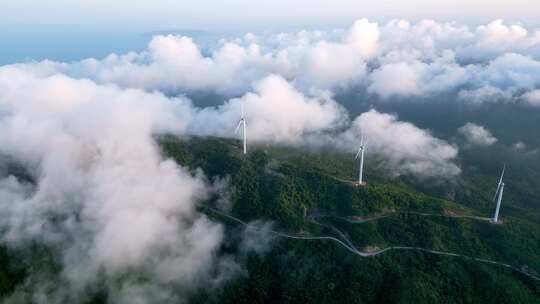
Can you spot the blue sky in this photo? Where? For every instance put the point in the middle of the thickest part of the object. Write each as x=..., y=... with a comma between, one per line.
x=69, y=30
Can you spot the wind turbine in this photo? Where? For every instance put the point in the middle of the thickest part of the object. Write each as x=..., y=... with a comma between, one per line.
x=498, y=196
x=242, y=123
x=360, y=154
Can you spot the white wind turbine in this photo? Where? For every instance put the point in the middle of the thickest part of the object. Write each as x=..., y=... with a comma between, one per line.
x=361, y=155
x=498, y=196
x=242, y=123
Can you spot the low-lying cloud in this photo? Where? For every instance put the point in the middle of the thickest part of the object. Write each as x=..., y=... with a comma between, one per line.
x=406, y=148
x=104, y=196
x=275, y=112
x=477, y=135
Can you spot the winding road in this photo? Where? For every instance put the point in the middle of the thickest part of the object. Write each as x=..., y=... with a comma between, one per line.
x=347, y=244
x=360, y=220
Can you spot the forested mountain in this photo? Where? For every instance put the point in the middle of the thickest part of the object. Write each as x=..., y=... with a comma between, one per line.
x=291, y=186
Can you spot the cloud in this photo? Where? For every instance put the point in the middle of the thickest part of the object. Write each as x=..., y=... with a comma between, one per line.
x=175, y=64
x=104, y=196
x=395, y=79
x=533, y=97
x=497, y=38
x=477, y=135
x=275, y=112
x=416, y=78
x=257, y=237
x=519, y=146
x=511, y=71
x=330, y=65
x=484, y=94
x=406, y=148
x=363, y=36
x=390, y=61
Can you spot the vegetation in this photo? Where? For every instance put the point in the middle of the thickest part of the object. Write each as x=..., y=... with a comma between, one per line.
x=289, y=185
x=286, y=185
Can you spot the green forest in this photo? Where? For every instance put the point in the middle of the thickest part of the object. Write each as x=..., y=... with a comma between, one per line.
x=287, y=186
x=305, y=192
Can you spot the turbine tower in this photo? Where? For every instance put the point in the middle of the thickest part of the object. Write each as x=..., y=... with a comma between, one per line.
x=361, y=155
x=242, y=123
x=498, y=196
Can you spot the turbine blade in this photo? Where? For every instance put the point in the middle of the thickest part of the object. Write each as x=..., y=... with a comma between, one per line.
x=500, y=183
x=358, y=153
x=238, y=127
x=497, y=192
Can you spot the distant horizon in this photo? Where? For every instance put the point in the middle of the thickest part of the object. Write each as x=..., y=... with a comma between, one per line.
x=66, y=30
x=62, y=43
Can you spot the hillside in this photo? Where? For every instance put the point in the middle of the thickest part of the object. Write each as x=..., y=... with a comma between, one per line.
x=300, y=231
x=310, y=193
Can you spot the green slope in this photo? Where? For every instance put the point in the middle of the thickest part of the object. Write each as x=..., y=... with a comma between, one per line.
x=283, y=185
x=288, y=186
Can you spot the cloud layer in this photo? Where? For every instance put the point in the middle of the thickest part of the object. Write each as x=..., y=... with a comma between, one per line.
x=393, y=60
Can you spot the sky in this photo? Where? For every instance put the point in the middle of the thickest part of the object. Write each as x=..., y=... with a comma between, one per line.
x=72, y=30
x=212, y=14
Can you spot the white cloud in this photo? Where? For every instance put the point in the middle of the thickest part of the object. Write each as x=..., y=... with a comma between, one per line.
x=104, y=195
x=395, y=79
x=477, y=135
x=533, y=97
x=330, y=65
x=497, y=38
x=511, y=71
x=363, y=36
x=275, y=112
x=416, y=78
x=406, y=148
x=392, y=60
x=484, y=94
